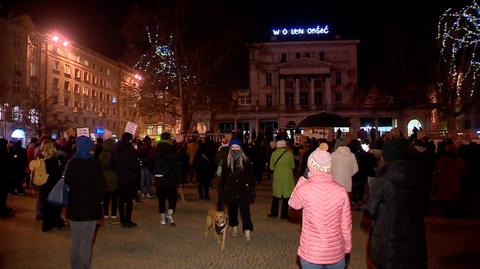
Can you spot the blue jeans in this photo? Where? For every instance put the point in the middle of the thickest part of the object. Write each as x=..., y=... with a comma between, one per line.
x=146, y=180
x=308, y=265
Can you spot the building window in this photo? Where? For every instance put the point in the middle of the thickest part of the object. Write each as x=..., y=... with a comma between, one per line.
x=85, y=91
x=108, y=71
x=33, y=70
x=289, y=98
x=244, y=100
x=54, y=99
x=303, y=84
x=66, y=102
x=306, y=55
x=75, y=103
x=17, y=113
x=77, y=73
x=86, y=77
x=269, y=100
x=67, y=69
x=34, y=116
x=85, y=62
x=283, y=58
x=101, y=95
x=298, y=55
x=94, y=93
x=55, y=83
x=66, y=86
x=16, y=83
x=77, y=88
x=322, y=56
x=304, y=98
x=94, y=66
x=77, y=58
x=338, y=78
x=318, y=98
x=35, y=49
x=338, y=97
x=268, y=79
x=289, y=84
x=56, y=65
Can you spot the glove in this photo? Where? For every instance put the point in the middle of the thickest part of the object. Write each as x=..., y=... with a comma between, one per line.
x=347, y=259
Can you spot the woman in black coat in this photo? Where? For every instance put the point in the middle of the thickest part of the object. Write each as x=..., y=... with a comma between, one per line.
x=398, y=234
x=237, y=187
x=54, y=168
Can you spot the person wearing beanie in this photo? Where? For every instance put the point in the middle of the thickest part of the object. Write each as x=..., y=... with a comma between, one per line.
x=237, y=188
x=282, y=164
x=84, y=177
x=326, y=236
x=395, y=206
x=126, y=166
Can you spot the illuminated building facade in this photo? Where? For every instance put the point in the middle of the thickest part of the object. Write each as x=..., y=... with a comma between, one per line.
x=49, y=79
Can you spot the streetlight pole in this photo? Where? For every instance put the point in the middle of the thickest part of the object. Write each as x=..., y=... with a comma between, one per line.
x=5, y=106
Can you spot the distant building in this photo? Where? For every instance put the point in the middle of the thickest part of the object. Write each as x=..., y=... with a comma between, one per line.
x=291, y=80
x=49, y=82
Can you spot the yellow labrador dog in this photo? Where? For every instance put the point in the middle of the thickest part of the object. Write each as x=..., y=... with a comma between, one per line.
x=218, y=222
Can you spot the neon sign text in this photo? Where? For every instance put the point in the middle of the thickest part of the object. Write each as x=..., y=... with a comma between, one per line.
x=317, y=30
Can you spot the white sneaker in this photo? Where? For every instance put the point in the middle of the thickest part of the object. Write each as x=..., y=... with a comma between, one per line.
x=170, y=220
x=235, y=231
x=163, y=220
x=247, y=235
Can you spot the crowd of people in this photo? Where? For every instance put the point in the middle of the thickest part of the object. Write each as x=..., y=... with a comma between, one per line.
x=396, y=181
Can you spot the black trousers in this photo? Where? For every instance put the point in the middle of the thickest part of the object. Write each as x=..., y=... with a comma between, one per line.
x=204, y=187
x=51, y=216
x=274, y=207
x=18, y=182
x=244, y=206
x=113, y=198
x=164, y=193
x=126, y=194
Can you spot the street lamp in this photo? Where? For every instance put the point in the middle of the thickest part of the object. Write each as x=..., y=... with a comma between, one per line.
x=5, y=107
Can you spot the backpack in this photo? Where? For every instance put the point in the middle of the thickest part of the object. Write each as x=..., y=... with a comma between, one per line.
x=161, y=167
x=39, y=171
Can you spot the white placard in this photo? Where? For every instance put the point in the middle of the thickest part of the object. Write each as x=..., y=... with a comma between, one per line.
x=83, y=132
x=131, y=128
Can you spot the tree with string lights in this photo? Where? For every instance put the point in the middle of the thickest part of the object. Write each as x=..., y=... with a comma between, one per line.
x=158, y=94
x=459, y=36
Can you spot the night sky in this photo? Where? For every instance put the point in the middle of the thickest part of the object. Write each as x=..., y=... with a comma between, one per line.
x=387, y=30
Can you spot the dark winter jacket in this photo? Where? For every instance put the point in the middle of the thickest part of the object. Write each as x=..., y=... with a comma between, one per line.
x=105, y=159
x=19, y=158
x=398, y=235
x=204, y=164
x=54, y=168
x=87, y=187
x=167, y=152
x=125, y=163
x=237, y=185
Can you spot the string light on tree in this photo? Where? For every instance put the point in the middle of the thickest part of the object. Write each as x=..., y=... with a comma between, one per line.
x=459, y=35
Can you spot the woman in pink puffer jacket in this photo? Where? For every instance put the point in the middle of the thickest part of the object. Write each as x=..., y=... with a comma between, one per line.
x=326, y=238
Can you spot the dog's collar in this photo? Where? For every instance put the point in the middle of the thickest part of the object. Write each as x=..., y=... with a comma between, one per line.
x=220, y=228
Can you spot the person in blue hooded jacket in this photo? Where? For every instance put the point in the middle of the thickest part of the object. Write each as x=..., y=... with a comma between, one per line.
x=86, y=183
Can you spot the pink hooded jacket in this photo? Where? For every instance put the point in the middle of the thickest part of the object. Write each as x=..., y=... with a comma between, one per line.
x=327, y=222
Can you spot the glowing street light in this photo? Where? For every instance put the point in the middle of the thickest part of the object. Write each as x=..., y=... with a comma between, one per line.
x=138, y=77
x=65, y=43
x=55, y=38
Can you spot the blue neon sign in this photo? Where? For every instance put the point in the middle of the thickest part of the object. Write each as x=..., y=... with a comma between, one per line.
x=100, y=131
